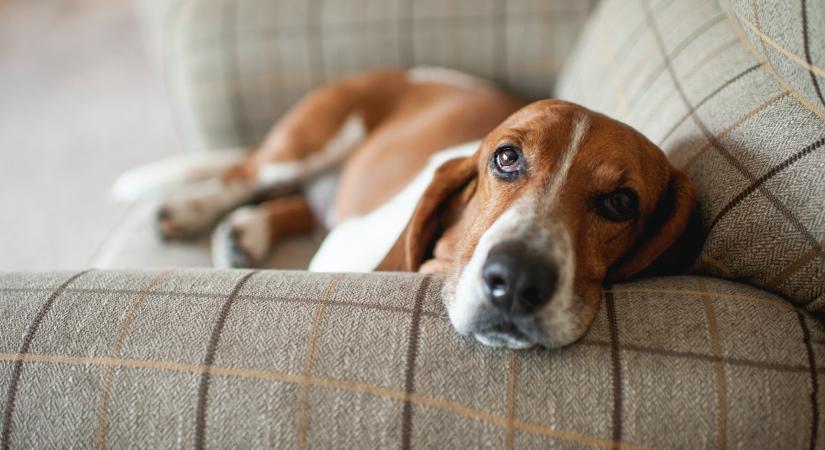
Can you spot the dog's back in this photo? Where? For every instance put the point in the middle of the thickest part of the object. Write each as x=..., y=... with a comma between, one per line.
x=383, y=126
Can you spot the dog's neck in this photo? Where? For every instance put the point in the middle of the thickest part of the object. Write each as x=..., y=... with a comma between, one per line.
x=359, y=244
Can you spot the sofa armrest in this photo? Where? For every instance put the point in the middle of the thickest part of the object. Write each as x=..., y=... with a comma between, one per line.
x=260, y=359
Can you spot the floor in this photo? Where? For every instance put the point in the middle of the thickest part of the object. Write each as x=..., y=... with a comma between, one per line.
x=80, y=103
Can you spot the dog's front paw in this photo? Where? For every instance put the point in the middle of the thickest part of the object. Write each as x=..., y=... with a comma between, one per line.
x=242, y=240
x=182, y=218
x=189, y=214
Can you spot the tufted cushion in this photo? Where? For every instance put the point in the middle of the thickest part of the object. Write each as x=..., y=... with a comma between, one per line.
x=686, y=76
x=789, y=37
x=226, y=359
x=233, y=66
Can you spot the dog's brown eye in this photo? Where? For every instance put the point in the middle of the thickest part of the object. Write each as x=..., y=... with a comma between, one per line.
x=619, y=205
x=507, y=159
x=507, y=162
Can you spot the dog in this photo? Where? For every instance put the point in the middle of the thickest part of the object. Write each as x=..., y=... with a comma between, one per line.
x=526, y=209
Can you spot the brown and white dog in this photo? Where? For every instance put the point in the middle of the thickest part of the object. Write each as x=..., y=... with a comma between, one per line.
x=527, y=209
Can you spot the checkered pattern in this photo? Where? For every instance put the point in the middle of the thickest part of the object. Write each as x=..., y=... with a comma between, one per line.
x=233, y=66
x=687, y=76
x=295, y=359
x=790, y=38
x=730, y=91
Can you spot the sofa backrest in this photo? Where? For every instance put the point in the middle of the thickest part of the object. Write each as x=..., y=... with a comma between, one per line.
x=789, y=36
x=233, y=66
x=736, y=108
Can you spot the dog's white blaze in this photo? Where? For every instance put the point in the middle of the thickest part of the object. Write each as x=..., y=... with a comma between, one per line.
x=529, y=220
x=348, y=136
x=560, y=322
x=360, y=244
x=559, y=176
x=441, y=75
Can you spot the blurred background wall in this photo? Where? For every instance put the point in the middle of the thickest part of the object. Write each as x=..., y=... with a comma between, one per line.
x=79, y=104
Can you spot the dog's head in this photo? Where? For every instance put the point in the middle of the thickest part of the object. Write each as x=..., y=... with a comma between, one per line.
x=556, y=201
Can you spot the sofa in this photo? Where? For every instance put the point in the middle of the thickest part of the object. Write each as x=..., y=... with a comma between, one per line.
x=150, y=349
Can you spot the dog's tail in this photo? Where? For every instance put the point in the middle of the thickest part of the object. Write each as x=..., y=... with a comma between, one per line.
x=166, y=174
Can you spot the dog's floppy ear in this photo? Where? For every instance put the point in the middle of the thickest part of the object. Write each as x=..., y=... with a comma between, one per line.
x=418, y=237
x=672, y=229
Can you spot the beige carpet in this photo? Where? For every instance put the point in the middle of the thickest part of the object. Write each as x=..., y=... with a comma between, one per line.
x=79, y=104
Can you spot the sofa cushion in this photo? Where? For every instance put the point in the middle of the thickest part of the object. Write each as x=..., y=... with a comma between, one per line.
x=233, y=66
x=684, y=74
x=296, y=359
x=790, y=38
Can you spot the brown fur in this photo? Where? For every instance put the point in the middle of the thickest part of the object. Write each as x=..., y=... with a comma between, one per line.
x=464, y=199
x=408, y=122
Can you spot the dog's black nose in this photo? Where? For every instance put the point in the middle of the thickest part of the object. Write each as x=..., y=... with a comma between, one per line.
x=517, y=279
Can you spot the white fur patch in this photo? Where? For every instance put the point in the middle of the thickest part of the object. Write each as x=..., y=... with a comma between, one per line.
x=351, y=133
x=522, y=221
x=469, y=293
x=503, y=341
x=194, y=211
x=161, y=175
x=360, y=244
x=580, y=127
x=441, y=75
x=242, y=239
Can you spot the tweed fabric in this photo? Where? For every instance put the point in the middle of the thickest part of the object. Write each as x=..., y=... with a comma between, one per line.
x=789, y=37
x=233, y=66
x=259, y=359
x=684, y=74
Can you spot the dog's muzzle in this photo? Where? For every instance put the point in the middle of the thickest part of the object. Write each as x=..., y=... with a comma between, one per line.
x=518, y=282
x=517, y=288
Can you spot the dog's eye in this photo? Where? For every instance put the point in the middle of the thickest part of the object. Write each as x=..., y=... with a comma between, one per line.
x=619, y=205
x=507, y=162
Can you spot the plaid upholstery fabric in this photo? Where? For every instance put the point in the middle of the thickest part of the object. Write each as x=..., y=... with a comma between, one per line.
x=686, y=75
x=790, y=38
x=233, y=66
x=259, y=359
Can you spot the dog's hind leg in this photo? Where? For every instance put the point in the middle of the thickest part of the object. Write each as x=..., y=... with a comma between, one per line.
x=247, y=235
x=315, y=135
